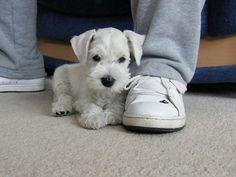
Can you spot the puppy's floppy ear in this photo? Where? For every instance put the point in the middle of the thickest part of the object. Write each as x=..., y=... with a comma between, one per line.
x=135, y=44
x=80, y=44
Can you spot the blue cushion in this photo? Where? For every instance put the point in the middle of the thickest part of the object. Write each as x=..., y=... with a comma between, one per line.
x=58, y=26
x=221, y=17
x=218, y=17
x=217, y=74
x=89, y=7
x=204, y=20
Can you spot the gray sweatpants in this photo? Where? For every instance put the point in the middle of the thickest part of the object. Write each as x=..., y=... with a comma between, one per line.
x=170, y=48
x=19, y=56
x=172, y=31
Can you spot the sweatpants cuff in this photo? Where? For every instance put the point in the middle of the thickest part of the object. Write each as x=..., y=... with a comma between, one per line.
x=33, y=73
x=150, y=67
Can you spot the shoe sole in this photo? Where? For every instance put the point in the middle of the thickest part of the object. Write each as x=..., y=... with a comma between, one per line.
x=151, y=130
x=24, y=86
x=153, y=125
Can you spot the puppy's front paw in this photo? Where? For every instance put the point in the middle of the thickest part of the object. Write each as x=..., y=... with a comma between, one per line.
x=92, y=121
x=62, y=107
x=59, y=110
x=116, y=120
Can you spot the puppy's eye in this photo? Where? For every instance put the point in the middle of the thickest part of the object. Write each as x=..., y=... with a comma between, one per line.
x=121, y=60
x=96, y=58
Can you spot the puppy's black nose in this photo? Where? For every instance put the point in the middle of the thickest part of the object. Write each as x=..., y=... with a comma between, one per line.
x=107, y=81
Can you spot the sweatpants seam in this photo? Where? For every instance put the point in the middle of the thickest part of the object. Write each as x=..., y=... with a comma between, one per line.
x=13, y=26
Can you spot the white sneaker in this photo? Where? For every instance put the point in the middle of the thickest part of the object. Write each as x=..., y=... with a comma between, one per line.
x=154, y=104
x=18, y=85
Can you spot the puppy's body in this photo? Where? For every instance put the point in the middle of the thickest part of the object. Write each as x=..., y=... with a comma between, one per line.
x=94, y=88
x=72, y=94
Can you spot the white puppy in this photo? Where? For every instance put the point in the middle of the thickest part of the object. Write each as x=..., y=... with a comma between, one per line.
x=94, y=88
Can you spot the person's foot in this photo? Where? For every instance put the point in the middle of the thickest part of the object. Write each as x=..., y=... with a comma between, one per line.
x=154, y=104
x=18, y=85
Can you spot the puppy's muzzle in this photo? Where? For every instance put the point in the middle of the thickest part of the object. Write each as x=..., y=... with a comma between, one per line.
x=108, y=81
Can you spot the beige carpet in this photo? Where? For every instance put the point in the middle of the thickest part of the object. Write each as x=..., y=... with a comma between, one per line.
x=35, y=144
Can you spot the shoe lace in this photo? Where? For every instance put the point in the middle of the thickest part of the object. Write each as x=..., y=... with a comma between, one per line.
x=169, y=85
x=134, y=82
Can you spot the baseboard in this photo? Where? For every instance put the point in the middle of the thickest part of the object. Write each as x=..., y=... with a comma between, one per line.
x=56, y=49
x=217, y=51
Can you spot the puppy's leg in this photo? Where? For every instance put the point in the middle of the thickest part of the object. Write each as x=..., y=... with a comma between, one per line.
x=114, y=112
x=62, y=104
x=91, y=116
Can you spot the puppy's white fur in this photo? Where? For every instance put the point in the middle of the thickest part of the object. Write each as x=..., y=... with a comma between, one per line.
x=78, y=87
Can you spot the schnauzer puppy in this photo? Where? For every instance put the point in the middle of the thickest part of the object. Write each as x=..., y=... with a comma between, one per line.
x=94, y=88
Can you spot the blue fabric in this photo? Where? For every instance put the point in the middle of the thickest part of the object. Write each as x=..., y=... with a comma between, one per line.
x=219, y=74
x=58, y=26
x=89, y=7
x=204, y=20
x=218, y=17
x=221, y=17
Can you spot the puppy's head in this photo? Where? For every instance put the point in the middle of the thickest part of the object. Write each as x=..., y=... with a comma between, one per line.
x=107, y=53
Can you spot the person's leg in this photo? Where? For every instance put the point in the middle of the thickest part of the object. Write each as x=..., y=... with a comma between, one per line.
x=19, y=56
x=172, y=30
